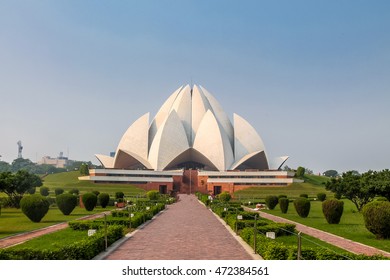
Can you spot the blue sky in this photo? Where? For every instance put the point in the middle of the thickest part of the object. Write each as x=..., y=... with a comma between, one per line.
x=312, y=77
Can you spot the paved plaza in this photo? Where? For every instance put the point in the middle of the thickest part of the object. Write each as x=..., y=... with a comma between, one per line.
x=186, y=230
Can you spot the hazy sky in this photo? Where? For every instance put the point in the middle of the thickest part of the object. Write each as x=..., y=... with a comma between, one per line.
x=312, y=77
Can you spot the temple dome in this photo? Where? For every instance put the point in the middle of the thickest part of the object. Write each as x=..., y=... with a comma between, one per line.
x=191, y=130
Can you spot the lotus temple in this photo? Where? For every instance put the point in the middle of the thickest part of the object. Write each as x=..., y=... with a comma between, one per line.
x=191, y=145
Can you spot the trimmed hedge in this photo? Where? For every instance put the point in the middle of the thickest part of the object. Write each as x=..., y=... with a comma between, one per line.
x=85, y=249
x=302, y=206
x=376, y=216
x=272, y=250
x=89, y=201
x=333, y=210
x=58, y=191
x=44, y=191
x=35, y=207
x=283, y=203
x=321, y=196
x=104, y=199
x=271, y=201
x=66, y=202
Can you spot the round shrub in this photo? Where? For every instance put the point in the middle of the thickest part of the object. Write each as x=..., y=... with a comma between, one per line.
x=44, y=191
x=35, y=207
x=321, y=196
x=333, y=210
x=271, y=201
x=302, y=206
x=153, y=195
x=31, y=190
x=119, y=195
x=282, y=195
x=66, y=202
x=225, y=197
x=58, y=191
x=283, y=203
x=304, y=195
x=104, y=199
x=376, y=216
x=89, y=201
x=74, y=191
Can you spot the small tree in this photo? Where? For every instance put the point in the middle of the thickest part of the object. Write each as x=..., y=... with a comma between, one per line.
x=333, y=210
x=84, y=169
x=224, y=197
x=300, y=172
x=89, y=201
x=104, y=199
x=58, y=191
x=283, y=203
x=377, y=218
x=35, y=207
x=66, y=202
x=44, y=191
x=331, y=173
x=271, y=201
x=302, y=206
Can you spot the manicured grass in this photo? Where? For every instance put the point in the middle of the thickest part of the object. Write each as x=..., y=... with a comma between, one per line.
x=54, y=240
x=13, y=221
x=69, y=180
x=351, y=225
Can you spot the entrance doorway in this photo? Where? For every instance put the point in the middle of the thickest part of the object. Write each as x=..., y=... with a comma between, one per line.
x=163, y=189
x=217, y=190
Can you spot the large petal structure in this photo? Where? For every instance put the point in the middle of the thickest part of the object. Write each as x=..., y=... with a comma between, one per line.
x=191, y=130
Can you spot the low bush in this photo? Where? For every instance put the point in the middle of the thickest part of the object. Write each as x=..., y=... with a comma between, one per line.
x=153, y=195
x=35, y=207
x=44, y=191
x=321, y=196
x=283, y=203
x=304, y=195
x=104, y=199
x=89, y=201
x=376, y=216
x=282, y=196
x=84, y=249
x=96, y=193
x=66, y=202
x=302, y=206
x=119, y=195
x=58, y=191
x=333, y=210
x=271, y=201
x=224, y=197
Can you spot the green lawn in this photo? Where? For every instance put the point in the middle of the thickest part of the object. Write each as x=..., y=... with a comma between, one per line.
x=351, y=225
x=13, y=221
x=55, y=239
x=69, y=180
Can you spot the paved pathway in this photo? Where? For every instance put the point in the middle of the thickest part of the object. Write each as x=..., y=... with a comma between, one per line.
x=349, y=245
x=186, y=230
x=23, y=237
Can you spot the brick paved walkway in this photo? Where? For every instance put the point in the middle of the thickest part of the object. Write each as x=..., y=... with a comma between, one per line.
x=349, y=245
x=185, y=231
x=23, y=237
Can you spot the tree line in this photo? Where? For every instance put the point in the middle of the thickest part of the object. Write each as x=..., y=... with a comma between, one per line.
x=361, y=188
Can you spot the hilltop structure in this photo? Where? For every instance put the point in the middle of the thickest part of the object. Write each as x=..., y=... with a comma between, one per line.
x=191, y=145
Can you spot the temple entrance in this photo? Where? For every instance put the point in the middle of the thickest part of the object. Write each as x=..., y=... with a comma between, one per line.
x=163, y=189
x=217, y=190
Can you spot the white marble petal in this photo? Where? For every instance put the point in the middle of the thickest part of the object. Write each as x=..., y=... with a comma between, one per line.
x=106, y=161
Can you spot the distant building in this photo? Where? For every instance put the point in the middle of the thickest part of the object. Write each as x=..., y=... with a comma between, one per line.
x=59, y=162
